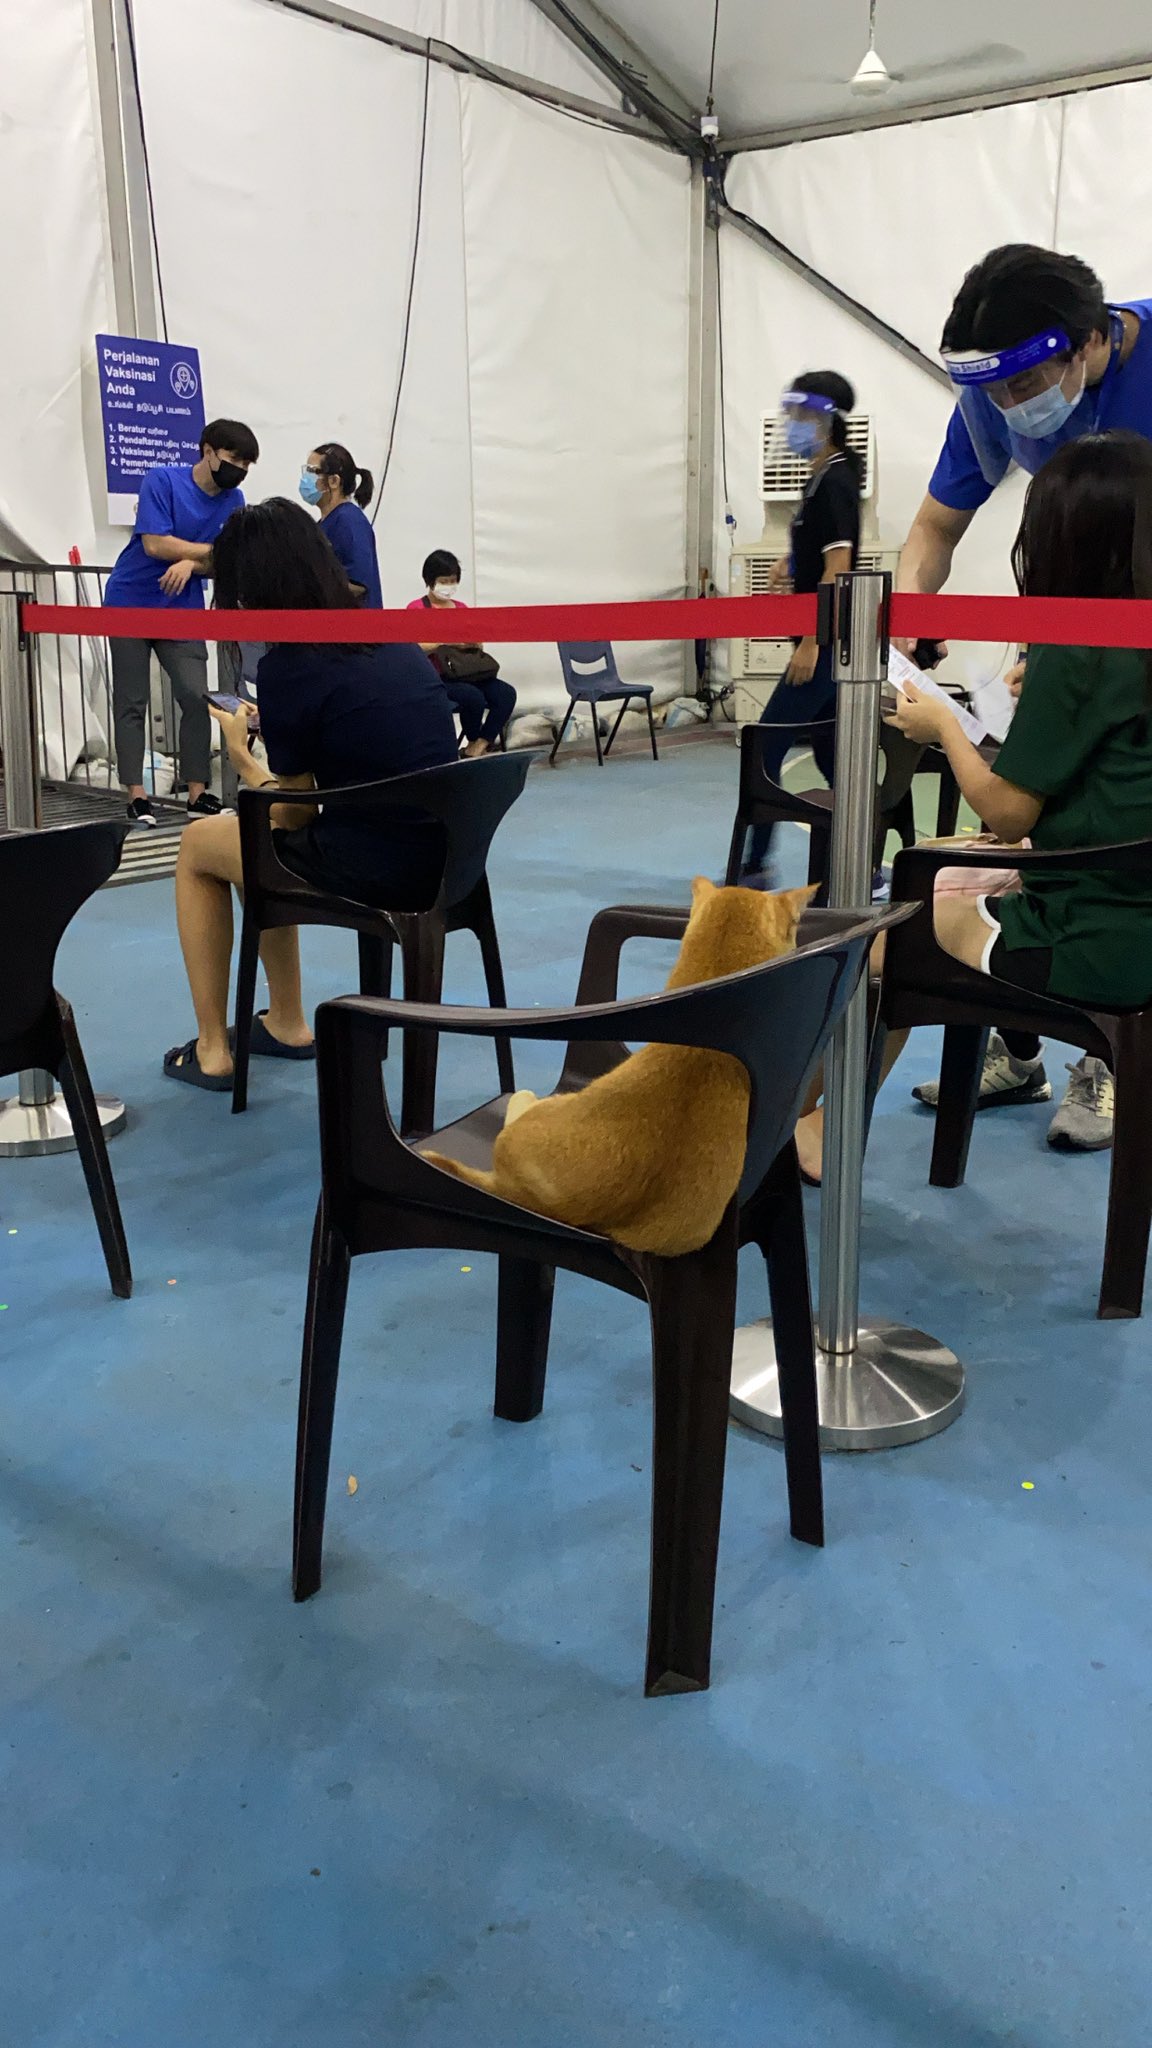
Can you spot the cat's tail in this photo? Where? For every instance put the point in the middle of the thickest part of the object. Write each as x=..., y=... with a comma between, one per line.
x=474, y=1175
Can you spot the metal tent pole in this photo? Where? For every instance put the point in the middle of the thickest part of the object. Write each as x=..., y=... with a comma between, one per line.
x=35, y=1121
x=879, y=1383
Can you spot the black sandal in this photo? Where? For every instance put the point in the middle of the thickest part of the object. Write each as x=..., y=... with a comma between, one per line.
x=262, y=1045
x=181, y=1064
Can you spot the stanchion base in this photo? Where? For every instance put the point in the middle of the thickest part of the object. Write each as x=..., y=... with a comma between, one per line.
x=899, y=1387
x=28, y=1131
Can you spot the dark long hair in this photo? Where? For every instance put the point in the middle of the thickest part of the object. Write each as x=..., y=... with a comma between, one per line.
x=830, y=384
x=336, y=461
x=1087, y=525
x=273, y=556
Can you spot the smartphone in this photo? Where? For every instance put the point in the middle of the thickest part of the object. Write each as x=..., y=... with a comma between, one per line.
x=224, y=702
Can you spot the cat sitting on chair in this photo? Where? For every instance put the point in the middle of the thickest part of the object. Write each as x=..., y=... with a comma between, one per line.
x=650, y=1154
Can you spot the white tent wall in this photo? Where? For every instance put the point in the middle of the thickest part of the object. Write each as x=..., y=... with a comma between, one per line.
x=507, y=32
x=542, y=426
x=577, y=258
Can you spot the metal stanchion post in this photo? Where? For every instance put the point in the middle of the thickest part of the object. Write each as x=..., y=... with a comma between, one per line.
x=35, y=1121
x=879, y=1383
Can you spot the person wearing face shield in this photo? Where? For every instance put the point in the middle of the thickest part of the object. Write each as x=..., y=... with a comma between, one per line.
x=179, y=514
x=480, y=697
x=1037, y=356
x=825, y=537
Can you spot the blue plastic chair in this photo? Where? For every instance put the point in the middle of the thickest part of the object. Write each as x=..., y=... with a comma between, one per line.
x=592, y=677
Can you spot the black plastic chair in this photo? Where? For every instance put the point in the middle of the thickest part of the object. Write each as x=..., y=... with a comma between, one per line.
x=470, y=798
x=380, y=1195
x=762, y=801
x=924, y=985
x=592, y=677
x=45, y=878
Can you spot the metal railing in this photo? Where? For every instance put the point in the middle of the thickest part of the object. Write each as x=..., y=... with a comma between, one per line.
x=73, y=745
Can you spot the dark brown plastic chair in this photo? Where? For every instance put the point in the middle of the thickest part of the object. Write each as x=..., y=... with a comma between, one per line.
x=45, y=878
x=761, y=801
x=380, y=1195
x=470, y=798
x=923, y=985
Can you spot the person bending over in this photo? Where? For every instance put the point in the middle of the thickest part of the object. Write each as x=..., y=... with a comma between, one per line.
x=484, y=702
x=1074, y=771
x=329, y=715
x=331, y=481
x=825, y=537
x=178, y=516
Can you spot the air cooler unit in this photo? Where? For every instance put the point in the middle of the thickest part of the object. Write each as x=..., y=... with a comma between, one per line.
x=758, y=664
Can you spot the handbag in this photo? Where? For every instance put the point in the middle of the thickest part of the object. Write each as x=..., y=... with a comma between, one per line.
x=465, y=664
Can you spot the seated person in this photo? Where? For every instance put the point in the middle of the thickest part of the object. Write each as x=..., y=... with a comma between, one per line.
x=1076, y=767
x=329, y=715
x=484, y=703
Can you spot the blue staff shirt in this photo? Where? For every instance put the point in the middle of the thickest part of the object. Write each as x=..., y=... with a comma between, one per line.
x=171, y=502
x=1123, y=398
x=354, y=545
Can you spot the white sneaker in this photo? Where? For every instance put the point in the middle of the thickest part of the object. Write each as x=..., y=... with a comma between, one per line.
x=1084, y=1120
x=1006, y=1081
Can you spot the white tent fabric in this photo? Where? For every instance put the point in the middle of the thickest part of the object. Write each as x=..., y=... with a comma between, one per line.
x=507, y=32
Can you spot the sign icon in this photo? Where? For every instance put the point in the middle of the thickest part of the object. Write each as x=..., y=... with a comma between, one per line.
x=184, y=381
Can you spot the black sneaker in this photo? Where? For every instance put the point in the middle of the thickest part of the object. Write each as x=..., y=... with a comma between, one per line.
x=206, y=806
x=140, y=812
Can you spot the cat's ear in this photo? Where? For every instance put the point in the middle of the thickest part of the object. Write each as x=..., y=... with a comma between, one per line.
x=798, y=900
x=702, y=888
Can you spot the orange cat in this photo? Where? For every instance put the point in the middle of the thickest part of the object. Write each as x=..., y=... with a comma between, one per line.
x=652, y=1153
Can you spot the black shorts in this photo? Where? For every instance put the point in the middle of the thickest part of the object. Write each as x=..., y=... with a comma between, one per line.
x=1028, y=967
x=390, y=875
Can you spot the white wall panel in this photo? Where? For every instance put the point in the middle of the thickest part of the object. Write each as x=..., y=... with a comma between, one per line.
x=576, y=248
x=895, y=216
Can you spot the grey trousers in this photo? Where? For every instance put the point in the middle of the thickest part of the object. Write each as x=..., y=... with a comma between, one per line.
x=185, y=663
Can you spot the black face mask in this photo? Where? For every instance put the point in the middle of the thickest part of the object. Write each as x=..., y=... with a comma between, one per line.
x=227, y=475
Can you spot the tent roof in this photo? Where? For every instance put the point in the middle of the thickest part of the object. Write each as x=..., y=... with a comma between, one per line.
x=781, y=65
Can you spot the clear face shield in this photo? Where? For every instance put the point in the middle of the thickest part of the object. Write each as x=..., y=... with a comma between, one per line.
x=803, y=426
x=1035, y=385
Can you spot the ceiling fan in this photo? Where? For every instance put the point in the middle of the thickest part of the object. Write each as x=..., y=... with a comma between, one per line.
x=872, y=76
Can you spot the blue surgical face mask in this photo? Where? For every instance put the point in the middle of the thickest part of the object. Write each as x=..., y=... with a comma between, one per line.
x=804, y=439
x=1037, y=418
x=310, y=487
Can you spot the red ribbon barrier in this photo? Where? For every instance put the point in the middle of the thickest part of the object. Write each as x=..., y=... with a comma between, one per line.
x=1055, y=621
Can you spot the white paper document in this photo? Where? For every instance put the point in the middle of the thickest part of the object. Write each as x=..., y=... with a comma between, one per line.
x=902, y=671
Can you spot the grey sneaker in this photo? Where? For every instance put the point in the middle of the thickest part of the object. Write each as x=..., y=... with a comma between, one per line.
x=1006, y=1081
x=1083, y=1122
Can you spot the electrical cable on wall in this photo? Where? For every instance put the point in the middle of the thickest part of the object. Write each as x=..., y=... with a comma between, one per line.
x=147, y=165
x=712, y=58
x=387, y=462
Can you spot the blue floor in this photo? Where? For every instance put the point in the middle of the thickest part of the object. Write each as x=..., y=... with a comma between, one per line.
x=431, y=1807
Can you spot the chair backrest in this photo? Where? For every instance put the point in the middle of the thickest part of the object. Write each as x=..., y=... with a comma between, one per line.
x=469, y=798
x=588, y=665
x=45, y=877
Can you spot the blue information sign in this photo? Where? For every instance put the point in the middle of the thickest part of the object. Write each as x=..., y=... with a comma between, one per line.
x=152, y=406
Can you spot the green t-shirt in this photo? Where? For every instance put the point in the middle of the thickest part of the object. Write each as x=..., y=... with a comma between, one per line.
x=1082, y=740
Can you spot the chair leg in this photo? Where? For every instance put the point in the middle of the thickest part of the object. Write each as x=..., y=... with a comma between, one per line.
x=422, y=947
x=563, y=730
x=624, y=703
x=595, y=709
x=319, y=1367
x=376, y=971
x=651, y=728
x=1130, y=1185
x=693, y=1307
x=961, y=1065
x=524, y=1321
x=90, y=1143
x=736, y=851
x=246, y=967
x=485, y=930
x=947, y=803
x=785, y=1248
